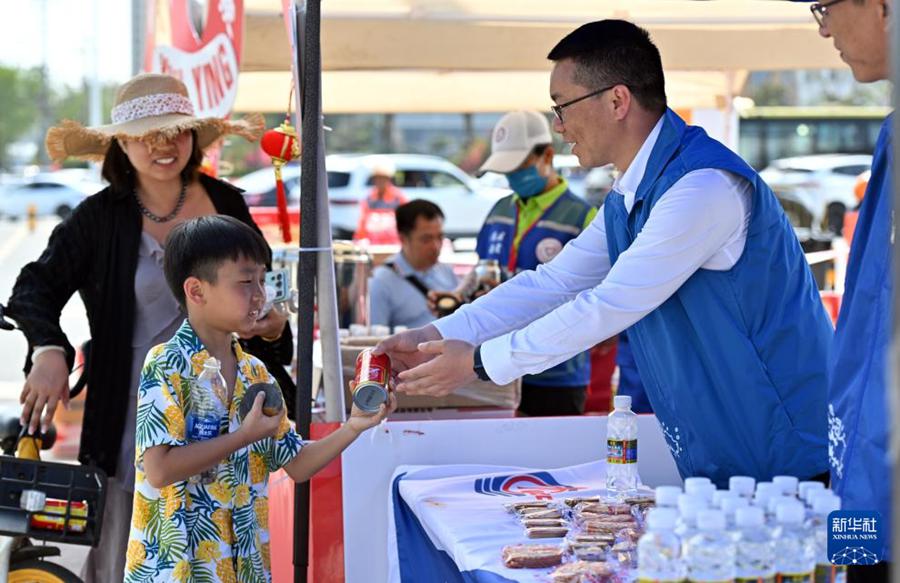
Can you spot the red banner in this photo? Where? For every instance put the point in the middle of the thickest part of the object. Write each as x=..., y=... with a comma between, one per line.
x=198, y=41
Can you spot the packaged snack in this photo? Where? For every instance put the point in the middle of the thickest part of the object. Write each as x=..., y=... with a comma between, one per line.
x=547, y=531
x=532, y=556
x=582, y=572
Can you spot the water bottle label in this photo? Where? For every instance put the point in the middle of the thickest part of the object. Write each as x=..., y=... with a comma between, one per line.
x=829, y=573
x=794, y=578
x=202, y=428
x=621, y=451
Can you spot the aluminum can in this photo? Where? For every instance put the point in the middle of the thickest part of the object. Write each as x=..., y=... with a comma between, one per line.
x=373, y=382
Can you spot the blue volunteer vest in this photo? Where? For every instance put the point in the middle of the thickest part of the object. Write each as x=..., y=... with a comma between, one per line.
x=734, y=363
x=858, y=392
x=560, y=223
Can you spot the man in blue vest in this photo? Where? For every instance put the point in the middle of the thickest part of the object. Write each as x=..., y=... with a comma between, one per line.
x=858, y=407
x=693, y=255
x=528, y=228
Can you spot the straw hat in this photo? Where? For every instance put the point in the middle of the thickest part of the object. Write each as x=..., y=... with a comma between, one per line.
x=151, y=108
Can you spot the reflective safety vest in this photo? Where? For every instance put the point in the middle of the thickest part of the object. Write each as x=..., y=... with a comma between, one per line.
x=559, y=224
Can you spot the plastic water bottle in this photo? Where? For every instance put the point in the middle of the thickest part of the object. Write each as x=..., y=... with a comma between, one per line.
x=754, y=546
x=818, y=525
x=709, y=555
x=695, y=484
x=208, y=397
x=621, y=449
x=730, y=506
x=688, y=508
x=787, y=484
x=806, y=489
x=796, y=559
x=765, y=491
x=659, y=550
x=667, y=497
x=743, y=485
x=719, y=496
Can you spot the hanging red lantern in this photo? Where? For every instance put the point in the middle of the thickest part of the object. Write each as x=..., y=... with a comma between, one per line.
x=282, y=145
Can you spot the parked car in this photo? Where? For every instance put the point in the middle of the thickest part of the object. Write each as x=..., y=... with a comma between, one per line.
x=464, y=202
x=48, y=196
x=820, y=186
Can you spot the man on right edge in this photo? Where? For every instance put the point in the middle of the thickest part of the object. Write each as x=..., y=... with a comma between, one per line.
x=858, y=397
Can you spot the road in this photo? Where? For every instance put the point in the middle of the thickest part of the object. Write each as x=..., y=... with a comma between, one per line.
x=18, y=246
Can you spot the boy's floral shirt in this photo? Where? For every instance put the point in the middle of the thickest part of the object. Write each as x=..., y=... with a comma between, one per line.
x=201, y=532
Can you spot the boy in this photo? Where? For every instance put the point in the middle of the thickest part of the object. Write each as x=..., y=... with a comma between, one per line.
x=215, y=267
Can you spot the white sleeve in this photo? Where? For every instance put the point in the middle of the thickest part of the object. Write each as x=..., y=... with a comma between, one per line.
x=690, y=223
x=582, y=264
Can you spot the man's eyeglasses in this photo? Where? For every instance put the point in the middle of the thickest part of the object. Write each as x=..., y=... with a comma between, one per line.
x=820, y=10
x=558, y=109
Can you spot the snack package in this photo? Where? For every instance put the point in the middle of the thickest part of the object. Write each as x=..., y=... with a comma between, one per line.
x=583, y=572
x=528, y=556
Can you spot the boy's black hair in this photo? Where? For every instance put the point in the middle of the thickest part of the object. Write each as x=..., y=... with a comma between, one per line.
x=406, y=214
x=119, y=172
x=616, y=52
x=198, y=247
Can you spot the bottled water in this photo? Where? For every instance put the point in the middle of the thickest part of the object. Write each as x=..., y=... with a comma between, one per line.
x=719, y=496
x=796, y=560
x=773, y=504
x=659, y=550
x=764, y=491
x=208, y=400
x=807, y=489
x=621, y=449
x=667, y=496
x=818, y=526
x=709, y=555
x=696, y=484
x=730, y=506
x=743, y=485
x=688, y=508
x=755, y=547
x=787, y=484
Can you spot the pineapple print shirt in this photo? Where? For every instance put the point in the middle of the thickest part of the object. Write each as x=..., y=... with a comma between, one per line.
x=201, y=532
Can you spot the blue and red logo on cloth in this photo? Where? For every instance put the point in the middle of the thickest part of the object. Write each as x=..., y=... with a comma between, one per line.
x=541, y=485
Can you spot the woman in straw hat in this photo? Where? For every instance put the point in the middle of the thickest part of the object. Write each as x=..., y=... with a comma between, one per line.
x=110, y=250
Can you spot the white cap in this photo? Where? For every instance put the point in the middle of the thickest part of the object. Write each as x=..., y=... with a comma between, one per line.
x=743, y=485
x=689, y=505
x=790, y=513
x=622, y=402
x=692, y=485
x=804, y=489
x=662, y=518
x=212, y=362
x=814, y=495
x=667, y=496
x=787, y=484
x=381, y=166
x=719, y=496
x=778, y=500
x=514, y=137
x=732, y=505
x=825, y=505
x=749, y=517
x=710, y=520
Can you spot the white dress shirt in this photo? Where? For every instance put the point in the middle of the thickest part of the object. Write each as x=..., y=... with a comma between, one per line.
x=543, y=317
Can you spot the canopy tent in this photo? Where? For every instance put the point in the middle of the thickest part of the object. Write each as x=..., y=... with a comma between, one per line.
x=490, y=55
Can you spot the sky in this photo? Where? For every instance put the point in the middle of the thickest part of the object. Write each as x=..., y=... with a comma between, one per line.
x=64, y=28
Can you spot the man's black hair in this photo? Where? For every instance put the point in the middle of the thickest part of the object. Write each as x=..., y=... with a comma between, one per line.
x=198, y=247
x=407, y=214
x=615, y=52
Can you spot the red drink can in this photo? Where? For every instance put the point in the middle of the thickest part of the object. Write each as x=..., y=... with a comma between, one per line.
x=373, y=380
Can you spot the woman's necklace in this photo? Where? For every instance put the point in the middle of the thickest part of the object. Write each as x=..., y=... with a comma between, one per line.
x=171, y=215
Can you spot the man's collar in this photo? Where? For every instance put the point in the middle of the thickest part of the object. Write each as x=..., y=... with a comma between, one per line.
x=628, y=182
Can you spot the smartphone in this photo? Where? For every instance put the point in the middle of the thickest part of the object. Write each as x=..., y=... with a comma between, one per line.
x=278, y=280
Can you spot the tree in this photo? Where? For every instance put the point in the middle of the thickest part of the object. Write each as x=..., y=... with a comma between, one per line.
x=19, y=90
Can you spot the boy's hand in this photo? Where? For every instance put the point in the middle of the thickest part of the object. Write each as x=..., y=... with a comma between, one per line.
x=257, y=425
x=359, y=420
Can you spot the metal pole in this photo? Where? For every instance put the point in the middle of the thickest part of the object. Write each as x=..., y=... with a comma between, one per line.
x=308, y=56
x=894, y=397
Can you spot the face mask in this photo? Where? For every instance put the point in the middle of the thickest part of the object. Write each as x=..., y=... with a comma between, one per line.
x=527, y=182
